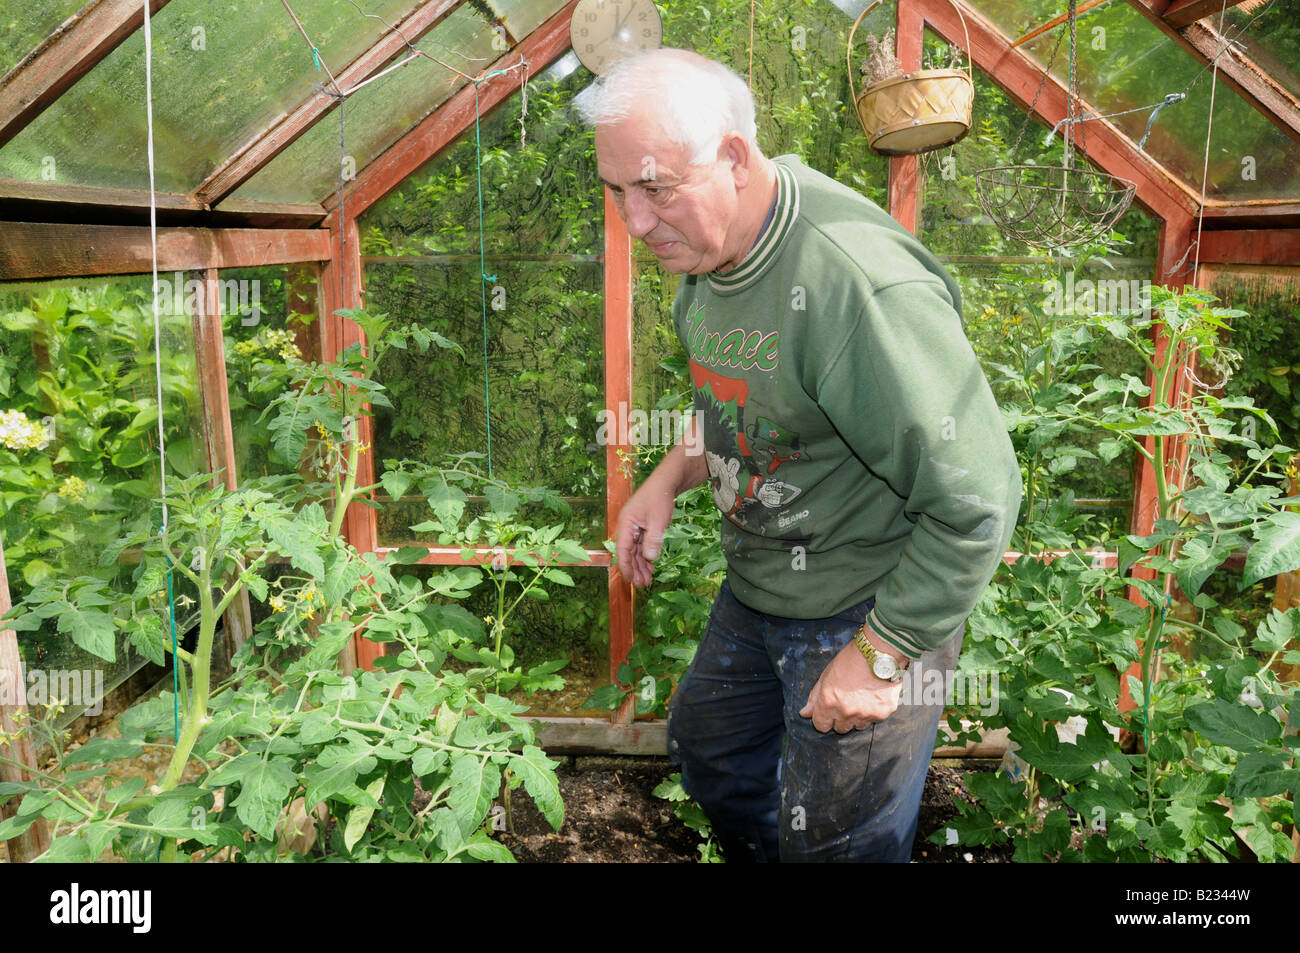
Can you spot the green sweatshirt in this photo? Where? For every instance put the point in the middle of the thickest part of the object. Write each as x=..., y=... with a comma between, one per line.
x=853, y=443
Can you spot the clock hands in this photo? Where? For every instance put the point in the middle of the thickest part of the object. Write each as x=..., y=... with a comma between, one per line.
x=618, y=26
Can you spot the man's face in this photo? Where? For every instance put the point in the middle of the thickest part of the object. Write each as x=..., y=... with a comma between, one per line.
x=687, y=215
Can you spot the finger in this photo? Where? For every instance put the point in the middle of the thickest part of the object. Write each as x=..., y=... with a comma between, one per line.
x=652, y=545
x=624, y=547
x=643, y=570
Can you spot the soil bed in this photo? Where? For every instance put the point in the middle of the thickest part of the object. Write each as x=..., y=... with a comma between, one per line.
x=612, y=816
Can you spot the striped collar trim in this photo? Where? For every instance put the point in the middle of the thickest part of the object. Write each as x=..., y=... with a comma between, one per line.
x=768, y=246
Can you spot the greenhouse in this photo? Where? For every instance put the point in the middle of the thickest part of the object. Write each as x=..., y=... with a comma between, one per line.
x=344, y=343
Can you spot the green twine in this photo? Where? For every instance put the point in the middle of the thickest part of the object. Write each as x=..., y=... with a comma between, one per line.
x=176, y=690
x=484, y=278
x=315, y=58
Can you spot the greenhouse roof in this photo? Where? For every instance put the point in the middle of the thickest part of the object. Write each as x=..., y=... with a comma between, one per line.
x=247, y=124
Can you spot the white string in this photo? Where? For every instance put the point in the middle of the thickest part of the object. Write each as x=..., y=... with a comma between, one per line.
x=1205, y=169
x=153, y=243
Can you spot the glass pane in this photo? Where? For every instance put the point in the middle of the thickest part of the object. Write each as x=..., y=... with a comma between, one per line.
x=377, y=115
x=1268, y=337
x=573, y=623
x=658, y=358
x=952, y=221
x=266, y=316
x=1125, y=62
x=541, y=198
x=24, y=25
x=524, y=16
x=77, y=367
x=545, y=371
x=223, y=71
x=1270, y=37
x=801, y=92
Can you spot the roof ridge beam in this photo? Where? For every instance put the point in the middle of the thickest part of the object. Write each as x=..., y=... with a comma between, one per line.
x=63, y=57
x=1181, y=13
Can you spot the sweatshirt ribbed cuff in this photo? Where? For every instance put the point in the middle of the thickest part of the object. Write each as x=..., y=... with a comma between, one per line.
x=895, y=637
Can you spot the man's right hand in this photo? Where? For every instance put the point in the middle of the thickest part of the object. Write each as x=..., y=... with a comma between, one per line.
x=641, y=526
x=645, y=517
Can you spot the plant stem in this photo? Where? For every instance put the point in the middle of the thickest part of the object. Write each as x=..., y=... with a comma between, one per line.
x=349, y=489
x=201, y=671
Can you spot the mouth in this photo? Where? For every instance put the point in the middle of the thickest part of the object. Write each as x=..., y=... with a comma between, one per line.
x=661, y=248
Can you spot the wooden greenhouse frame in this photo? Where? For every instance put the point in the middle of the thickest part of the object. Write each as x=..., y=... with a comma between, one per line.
x=50, y=230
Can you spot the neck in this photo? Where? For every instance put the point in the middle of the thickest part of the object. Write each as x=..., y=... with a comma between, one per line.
x=759, y=195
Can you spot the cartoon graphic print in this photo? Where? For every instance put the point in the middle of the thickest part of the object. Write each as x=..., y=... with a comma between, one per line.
x=744, y=460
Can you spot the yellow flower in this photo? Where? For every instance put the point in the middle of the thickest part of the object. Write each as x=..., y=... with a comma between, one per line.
x=277, y=604
x=73, y=489
x=282, y=343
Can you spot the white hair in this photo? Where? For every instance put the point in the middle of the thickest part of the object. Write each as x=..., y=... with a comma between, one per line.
x=697, y=100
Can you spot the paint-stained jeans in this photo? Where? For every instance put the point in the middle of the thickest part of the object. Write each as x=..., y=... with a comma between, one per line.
x=773, y=786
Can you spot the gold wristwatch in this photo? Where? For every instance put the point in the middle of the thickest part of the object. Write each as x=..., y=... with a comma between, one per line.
x=884, y=667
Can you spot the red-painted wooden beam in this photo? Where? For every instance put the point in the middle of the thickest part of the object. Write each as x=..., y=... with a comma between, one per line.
x=905, y=171
x=13, y=716
x=32, y=250
x=618, y=392
x=1183, y=13
x=66, y=55
x=1251, y=246
x=454, y=556
x=341, y=288
x=268, y=144
x=544, y=45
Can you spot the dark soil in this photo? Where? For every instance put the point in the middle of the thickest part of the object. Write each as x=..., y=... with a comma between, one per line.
x=611, y=816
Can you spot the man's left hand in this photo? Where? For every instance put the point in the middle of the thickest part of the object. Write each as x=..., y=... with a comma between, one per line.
x=849, y=696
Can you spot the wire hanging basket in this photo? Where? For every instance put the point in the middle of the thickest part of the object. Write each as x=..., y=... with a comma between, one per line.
x=1054, y=206
x=1051, y=206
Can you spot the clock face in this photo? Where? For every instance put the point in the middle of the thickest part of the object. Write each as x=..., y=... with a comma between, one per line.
x=603, y=31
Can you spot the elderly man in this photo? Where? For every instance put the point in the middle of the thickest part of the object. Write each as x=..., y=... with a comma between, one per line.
x=867, y=485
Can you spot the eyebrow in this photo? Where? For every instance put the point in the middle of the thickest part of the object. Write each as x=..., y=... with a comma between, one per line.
x=612, y=185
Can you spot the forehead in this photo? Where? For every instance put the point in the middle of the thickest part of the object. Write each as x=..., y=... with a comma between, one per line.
x=637, y=148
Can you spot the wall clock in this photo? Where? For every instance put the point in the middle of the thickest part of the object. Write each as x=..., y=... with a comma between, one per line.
x=604, y=31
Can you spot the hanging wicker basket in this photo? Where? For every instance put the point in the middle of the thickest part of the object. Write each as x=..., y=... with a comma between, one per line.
x=918, y=111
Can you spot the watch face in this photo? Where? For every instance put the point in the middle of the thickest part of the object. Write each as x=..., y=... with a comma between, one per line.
x=885, y=667
x=603, y=31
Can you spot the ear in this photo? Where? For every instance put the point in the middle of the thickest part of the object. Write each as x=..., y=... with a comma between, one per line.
x=736, y=151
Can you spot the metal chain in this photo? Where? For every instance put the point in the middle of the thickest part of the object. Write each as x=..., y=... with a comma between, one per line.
x=1072, y=94
x=1029, y=114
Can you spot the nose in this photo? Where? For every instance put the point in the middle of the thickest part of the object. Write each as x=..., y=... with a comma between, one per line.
x=638, y=215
